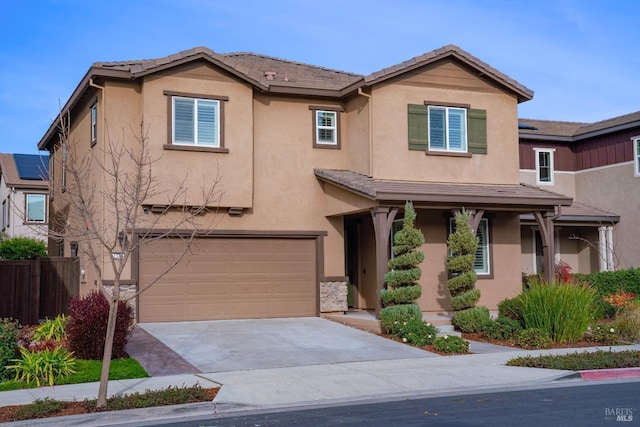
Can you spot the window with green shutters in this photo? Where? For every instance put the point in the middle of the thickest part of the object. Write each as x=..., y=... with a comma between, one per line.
x=447, y=129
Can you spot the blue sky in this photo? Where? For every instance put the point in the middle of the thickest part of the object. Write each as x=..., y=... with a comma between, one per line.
x=580, y=57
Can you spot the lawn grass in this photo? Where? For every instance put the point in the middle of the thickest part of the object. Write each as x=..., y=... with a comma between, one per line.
x=88, y=371
x=581, y=361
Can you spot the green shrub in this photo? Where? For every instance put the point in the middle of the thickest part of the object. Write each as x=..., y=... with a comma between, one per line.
x=51, y=329
x=564, y=311
x=40, y=409
x=9, y=331
x=403, y=295
x=462, y=245
x=465, y=300
x=390, y=316
x=503, y=329
x=471, y=320
x=581, y=361
x=451, y=344
x=19, y=248
x=401, y=281
x=602, y=333
x=511, y=308
x=534, y=339
x=610, y=282
x=604, y=308
x=43, y=367
x=416, y=332
x=168, y=396
x=87, y=327
x=628, y=323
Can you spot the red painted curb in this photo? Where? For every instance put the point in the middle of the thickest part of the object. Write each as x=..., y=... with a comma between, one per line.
x=608, y=374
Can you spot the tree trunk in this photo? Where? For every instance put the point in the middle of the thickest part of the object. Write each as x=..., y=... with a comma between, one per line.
x=108, y=348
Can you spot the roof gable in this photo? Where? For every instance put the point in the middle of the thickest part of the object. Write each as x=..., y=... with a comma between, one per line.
x=451, y=51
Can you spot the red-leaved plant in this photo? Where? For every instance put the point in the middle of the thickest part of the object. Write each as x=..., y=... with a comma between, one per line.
x=87, y=327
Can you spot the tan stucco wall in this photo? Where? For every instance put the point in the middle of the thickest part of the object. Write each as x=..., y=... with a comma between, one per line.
x=393, y=160
x=563, y=182
x=615, y=188
x=198, y=168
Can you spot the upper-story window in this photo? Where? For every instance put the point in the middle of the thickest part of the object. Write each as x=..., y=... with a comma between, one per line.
x=94, y=123
x=5, y=214
x=544, y=165
x=449, y=130
x=636, y=155
x=326, y=126
x=196, y=122
x=35, y=208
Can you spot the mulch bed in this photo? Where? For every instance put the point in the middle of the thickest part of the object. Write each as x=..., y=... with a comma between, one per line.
x=481, y=338
x=9, y=413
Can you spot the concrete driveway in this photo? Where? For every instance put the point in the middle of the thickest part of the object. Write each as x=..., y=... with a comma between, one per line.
x=238, y=345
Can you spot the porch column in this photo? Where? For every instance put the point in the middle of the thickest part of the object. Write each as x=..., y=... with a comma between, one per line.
x=545, y=225
x=474, y=218
x=610, y=265
x=382, y=222
x=602, y=248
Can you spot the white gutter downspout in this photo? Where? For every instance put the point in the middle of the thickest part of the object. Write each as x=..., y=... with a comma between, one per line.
x=360, y=92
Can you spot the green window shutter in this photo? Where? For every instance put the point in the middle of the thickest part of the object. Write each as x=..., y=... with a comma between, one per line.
x=418, y=127
x=477, y=131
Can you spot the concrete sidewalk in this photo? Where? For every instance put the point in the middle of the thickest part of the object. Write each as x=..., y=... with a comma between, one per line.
x=312, y=385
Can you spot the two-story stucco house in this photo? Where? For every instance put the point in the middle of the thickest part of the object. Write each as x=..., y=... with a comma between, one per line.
x=24, y=192
x=598, y=165
x=316, y=165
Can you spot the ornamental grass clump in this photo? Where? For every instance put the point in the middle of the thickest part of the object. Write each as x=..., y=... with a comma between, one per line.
x=564, y=311
x=628, y=323
x=403, y=289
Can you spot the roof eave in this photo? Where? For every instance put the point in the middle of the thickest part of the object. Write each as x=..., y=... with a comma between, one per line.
x=82, y=87
x=483, y=200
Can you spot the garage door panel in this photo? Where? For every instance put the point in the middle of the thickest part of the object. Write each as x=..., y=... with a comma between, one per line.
x=230, y=278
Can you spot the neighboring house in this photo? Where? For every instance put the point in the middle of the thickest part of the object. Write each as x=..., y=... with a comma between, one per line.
x=598, y=165
x=316, y=165
x=24, y=189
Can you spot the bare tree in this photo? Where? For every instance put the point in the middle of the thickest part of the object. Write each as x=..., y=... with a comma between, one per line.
x=614, y=263
x=102, y=209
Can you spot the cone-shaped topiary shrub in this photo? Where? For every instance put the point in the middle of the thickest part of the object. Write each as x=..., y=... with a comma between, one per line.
x=402, y=279
x=462, y=246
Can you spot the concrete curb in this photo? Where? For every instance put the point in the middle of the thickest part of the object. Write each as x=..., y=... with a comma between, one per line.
x=610, y=374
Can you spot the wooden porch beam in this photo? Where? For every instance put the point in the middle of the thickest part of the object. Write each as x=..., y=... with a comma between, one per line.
x=382, y=222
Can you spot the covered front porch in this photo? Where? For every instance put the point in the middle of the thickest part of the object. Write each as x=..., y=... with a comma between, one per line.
x=584, y=238
x=371, y=209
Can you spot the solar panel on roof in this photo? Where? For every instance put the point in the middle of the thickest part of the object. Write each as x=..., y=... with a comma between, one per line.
x=32, y=166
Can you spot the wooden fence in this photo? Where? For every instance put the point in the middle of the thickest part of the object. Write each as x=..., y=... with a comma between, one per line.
x=38, y=289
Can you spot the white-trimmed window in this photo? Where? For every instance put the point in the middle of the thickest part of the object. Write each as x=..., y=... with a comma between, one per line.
x=544, y=165
x=326, y=127
x=447, y=129
x=5, y=215
x=196, y=121
x=636, y=155
x=482, y=262
x=35, y=208
x=94, y=123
